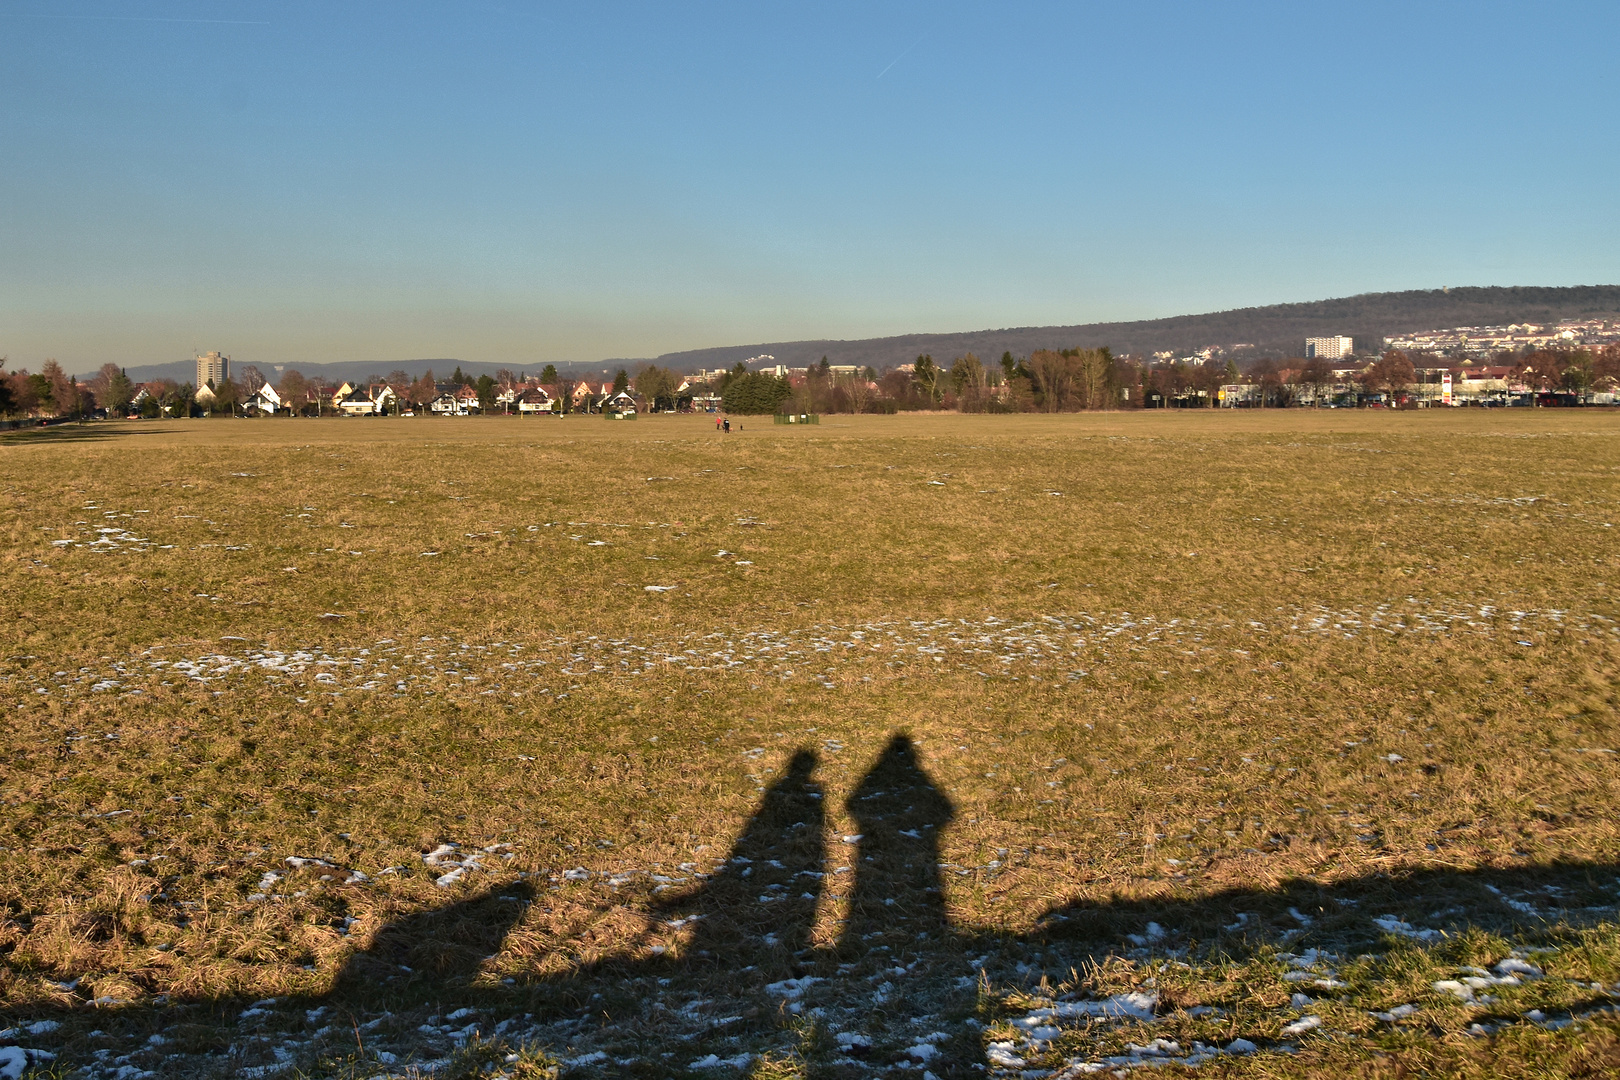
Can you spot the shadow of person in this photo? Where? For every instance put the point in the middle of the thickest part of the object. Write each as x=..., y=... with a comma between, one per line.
x=898, y=990
x=897, y=897
x=435, y=954
x=759, y=908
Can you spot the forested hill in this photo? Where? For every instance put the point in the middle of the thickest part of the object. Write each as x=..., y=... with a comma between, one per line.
x=1280, y=329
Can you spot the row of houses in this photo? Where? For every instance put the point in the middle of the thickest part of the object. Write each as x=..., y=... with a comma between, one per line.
x=1482, y=385
x=451, y=399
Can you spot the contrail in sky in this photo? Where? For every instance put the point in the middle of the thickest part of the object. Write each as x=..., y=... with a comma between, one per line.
x=901, y=57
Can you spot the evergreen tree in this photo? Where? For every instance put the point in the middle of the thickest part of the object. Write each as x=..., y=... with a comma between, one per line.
x=926, y=376
x=42, y=393
x=120, y=392
x=754, y=394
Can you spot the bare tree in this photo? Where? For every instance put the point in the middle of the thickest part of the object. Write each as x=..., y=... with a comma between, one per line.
x=294, y=390
x=1390, y=373
x=422, y=392
x=1049, y=371
x=1317, y=375
x=1092, y=371
x=859, y=389
x=318, y=390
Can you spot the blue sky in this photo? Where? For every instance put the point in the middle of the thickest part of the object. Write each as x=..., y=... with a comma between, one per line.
x=530, y=182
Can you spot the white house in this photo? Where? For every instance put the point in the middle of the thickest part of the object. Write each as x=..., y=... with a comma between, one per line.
x=264, y=400
x=351, y=402
x=620, y=404
x=533, y=402
x=384, y=397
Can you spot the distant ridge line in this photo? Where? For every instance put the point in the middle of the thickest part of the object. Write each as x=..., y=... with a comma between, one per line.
x=1274, y=330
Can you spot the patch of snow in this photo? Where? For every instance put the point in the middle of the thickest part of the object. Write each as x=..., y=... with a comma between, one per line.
x=1004, y=1055
x=714, y=1061
x=1391, y=924
x=791, y=989
x=1515, y=966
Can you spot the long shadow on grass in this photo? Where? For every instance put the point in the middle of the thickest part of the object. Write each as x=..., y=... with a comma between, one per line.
x=96, y=431
x=745, y=978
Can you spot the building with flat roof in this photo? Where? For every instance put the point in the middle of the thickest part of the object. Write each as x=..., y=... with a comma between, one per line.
x=212, y=369
x=1328, y=348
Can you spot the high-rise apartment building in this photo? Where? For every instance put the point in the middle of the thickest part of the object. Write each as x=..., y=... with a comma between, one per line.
x=1328, y=348
x=212, y=368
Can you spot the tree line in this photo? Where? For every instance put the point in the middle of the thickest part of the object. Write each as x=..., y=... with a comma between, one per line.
x=1047, y=380
x=1073, y=380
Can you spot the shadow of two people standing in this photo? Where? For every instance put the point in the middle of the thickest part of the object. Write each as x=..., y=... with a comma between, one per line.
x=761, y=972
x=753, y=974
x=751, y=956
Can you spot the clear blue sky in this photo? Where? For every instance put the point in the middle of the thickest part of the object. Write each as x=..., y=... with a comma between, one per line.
x=529, y=182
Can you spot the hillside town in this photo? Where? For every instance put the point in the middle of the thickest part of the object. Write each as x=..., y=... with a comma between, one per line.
x=1564, y=365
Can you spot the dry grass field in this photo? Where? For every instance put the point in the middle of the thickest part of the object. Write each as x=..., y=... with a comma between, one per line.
x=1258, y=744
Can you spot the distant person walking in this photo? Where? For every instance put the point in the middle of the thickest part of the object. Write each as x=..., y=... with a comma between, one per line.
x=718, y=419
x=728, y=426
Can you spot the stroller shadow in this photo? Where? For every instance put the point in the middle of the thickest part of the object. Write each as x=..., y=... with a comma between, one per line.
x=733, y=967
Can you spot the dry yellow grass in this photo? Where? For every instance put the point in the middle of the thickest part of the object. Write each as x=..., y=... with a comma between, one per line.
x=1190, y=670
